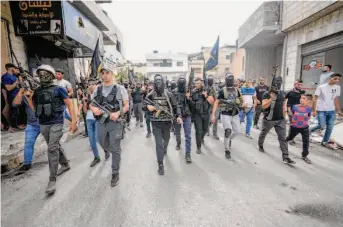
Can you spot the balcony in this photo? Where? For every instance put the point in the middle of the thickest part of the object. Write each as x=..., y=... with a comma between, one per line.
x=262, y=28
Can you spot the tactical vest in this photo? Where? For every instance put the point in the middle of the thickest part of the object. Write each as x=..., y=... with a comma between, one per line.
x=182, y=102
x=48, y=105
x=233, y=101
x=162, y=101
x=114, y=98
x=201, y=104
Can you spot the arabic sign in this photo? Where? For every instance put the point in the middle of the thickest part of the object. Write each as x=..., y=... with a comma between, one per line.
x=79, y=28
x=314, y=64
x=37, y=17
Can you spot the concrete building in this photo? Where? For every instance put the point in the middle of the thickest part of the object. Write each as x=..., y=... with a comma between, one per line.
x=238, y=63
x=262, y=39
x=170, y=65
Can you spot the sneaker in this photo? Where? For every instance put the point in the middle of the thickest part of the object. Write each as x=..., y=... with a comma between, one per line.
x=95, y=161
x=160, y=169
x=199, y=150
x=107, y=155
x=115, y=180
x=148, y=135
x=227, y=154
x=292, y=142
x=216, y=136
x=24, y=169
x=248, y=136
x=51, y=187
x=178, y=147
x=308, y=161
x=188, y=158
x=63, y=168
x=261, y=149
x=288, y=161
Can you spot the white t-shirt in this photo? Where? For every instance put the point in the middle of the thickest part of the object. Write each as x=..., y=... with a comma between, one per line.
x=324, y=77
x=63, y=83
x=326, y=95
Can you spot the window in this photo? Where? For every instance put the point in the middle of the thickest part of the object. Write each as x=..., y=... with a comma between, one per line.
x=227, y=57
x=243, y=63
x=179, y=63
x=156, y=64
x=165, y=63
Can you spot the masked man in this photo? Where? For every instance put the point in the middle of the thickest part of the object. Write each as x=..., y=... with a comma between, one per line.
x=181, y=96
x=274, y=106
x=49, y=102
x=163, y=107
x=229, y=101
x=215, y=124
x=115, y=97
x=200, y=101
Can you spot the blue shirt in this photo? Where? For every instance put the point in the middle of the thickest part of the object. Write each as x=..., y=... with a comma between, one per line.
x=57, y=118
x=9, y=79
x=248, y=93
x=31, y=116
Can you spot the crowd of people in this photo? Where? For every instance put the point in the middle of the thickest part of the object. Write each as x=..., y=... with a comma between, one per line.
x=107, y=108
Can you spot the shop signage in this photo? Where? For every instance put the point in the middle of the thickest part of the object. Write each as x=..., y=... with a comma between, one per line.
x=314, y=64
x=37, y=17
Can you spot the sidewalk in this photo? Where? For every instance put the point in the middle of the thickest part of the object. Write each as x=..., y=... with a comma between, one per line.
x=12, y=146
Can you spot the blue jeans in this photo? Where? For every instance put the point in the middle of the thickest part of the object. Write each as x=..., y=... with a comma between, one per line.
x=147, y=121
x=326, y=119
x=187, y=127
x=92, y=128
x=66, y=114
x=31, y=134
x=241, y=115
x=250, y=115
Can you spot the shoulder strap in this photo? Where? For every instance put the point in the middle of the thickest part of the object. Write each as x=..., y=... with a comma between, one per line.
x=225, y=92
x=119, y=97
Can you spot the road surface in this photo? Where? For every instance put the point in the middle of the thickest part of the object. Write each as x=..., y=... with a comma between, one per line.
x=253, y=189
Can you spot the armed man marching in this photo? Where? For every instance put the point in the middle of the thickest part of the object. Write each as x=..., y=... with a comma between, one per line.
x=48, y=102
x=164, y=108
x=229, y=101
x=181, y=95
x=110, y=104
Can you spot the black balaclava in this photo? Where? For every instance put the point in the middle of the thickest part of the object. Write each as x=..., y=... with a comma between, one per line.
x=210, y=81
x=229, y=80
x=172, y=85
x=158, y=84
x=126, y=85
x=181, y=84
x=276, y=83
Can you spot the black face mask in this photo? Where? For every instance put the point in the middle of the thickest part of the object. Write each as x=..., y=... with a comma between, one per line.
x=229, y=81
x=276, y=83
x=158, y=84
x=172, y=85
x=210, y=81
x=181, y=85
x=126, y=85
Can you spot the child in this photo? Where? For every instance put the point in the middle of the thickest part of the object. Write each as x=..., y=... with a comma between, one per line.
x=301, y=113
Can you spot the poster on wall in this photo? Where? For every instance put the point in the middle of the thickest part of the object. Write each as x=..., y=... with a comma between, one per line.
x=37, y=17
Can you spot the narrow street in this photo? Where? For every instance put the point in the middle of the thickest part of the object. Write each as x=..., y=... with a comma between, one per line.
x=253, y=189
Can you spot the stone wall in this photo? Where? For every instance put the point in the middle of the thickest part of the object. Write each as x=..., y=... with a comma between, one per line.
x=18, y=45
x=325, y=26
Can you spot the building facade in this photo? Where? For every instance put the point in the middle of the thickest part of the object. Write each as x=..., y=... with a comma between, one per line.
x=169, y=65
x=238, y=63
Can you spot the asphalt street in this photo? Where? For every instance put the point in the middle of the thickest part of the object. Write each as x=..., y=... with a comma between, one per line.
x=252, y=189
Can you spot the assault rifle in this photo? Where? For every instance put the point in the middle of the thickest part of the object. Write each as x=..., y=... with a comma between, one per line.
x=106, y=113
x=159, y=109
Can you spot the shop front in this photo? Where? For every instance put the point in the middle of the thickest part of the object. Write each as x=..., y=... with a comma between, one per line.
x=315, y=55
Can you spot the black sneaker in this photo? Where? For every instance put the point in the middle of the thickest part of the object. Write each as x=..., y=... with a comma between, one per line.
x=63, y=168
x=24, y=169
x=288, y=161
x=199, y=150
x=115, y=180
x=261, y=149
x=148, y=135
x=216, y=136
x=160, y=169
x=227, y=154
x=107, y=155
x=178, y=147
x=95, y=161
x=308, y=161
x=188, y=158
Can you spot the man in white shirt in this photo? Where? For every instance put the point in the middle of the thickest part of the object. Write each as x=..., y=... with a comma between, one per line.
x=326, y=105
x=59, y=81
x=324, y=77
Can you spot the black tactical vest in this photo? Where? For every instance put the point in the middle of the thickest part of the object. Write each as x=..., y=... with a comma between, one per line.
x=182, y=102
x=48, y=106
x=111, y=99
x=201, y=104
x=163, y=102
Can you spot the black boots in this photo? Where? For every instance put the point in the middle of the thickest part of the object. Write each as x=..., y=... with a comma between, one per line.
x=24, y=169
x=115, y=180
x=160, y=169
x=95, y=161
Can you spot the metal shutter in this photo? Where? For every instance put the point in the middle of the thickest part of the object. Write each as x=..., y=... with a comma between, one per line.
x=323, y=44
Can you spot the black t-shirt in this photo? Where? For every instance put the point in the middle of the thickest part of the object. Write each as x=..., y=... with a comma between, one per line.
x=278, y=108
x=260, y=90
x=221, y=96
x=293, y=97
